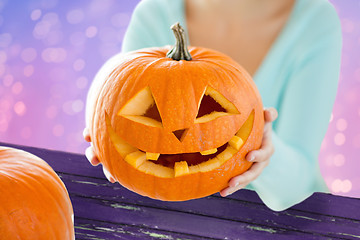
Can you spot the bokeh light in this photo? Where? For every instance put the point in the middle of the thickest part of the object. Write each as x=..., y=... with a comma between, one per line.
x=35, y=14
x=75, y=16
x=28, y=54
x=339, y=161
x=58, y=130
x=20, y=108
x=17, y=88
x=91, y=31
x=50, y=51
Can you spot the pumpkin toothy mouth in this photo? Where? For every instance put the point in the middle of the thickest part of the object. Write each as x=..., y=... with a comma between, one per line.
x=192, y=159
x=175, y=165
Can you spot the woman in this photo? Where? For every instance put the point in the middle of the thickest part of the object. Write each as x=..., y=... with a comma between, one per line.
x=292, y=49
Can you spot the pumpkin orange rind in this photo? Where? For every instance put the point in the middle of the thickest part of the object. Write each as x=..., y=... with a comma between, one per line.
x=175, y=90
x=34, y=201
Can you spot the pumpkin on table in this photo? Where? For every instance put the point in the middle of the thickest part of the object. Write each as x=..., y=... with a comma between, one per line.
x=34, y=203
x=174, y=124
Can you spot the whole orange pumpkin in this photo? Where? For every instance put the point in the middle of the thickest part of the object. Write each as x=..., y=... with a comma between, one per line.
x=174, y=124
x=34, y=203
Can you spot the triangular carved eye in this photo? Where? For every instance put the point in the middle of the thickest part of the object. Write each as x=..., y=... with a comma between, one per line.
x=213, y=105
x=142, y=109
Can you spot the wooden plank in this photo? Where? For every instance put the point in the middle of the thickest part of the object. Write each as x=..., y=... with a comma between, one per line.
x=242, y=214
x=90, y=229
x=321, y=203
x=220, y=208
x=179, y=222
x=76, y=164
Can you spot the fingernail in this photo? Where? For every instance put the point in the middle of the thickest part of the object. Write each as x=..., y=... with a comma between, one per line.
x=272, y=114
x=252, y=158
x=88, y=153
x=234, y=185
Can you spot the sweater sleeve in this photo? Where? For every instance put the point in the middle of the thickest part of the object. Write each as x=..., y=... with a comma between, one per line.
x=150, y=24
x=293, y=173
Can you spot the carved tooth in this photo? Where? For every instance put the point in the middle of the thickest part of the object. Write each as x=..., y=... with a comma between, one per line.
x=152, y=156
x=236, y=142
x=181, y=168
x=136, y=158
x=208, y=152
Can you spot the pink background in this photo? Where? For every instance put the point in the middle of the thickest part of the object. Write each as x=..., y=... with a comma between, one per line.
x=50, y=50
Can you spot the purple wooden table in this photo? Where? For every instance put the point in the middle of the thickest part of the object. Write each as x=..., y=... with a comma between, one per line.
x=109, y=211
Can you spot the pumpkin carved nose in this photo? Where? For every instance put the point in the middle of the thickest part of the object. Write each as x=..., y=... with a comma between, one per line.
x=180, y=134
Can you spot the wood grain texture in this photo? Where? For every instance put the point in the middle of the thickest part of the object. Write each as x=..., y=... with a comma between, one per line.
x=109, y=211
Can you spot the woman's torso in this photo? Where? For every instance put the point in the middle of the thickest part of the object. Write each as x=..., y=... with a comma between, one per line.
x=244, y=30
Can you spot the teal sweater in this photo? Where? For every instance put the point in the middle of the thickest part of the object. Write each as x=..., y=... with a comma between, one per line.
x=299, y=77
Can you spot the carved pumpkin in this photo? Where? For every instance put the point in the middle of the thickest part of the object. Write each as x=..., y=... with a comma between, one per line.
x=34, y=201
x=174, y=125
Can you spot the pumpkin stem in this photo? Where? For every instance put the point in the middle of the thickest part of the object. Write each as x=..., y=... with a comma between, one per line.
x=180, y=50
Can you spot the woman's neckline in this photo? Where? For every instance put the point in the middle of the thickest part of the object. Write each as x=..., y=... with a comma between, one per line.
x=274, y=45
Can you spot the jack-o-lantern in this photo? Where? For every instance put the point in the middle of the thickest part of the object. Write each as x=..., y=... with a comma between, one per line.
x=34, y=203
x=174, y=125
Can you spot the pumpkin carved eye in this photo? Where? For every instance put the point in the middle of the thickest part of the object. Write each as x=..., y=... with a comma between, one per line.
x=213, y=105
x=142, y=108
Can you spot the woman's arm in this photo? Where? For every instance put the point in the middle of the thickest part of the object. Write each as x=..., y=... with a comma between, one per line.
x=293, y=172
x=298, y=133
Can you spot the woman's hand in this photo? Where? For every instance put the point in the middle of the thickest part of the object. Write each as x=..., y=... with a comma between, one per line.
x=260, y=157
x=91, y=156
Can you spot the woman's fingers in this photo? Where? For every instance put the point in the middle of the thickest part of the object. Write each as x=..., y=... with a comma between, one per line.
x=266, y=149
x=241, y=181
x=250, y=175
x=90, y=155
x=270, y=114
x=86, y=135
x=108, y=175
x=261, y=157
x=230, y=190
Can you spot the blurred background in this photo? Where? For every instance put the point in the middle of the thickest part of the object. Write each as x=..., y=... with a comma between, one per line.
x=50, y=51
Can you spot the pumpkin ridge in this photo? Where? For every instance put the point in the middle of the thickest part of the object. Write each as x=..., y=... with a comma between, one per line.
x=99, y=93
x=110, y=81
x=115, y=75
x=235, y=67
x=50, y=195
x=43, y=168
